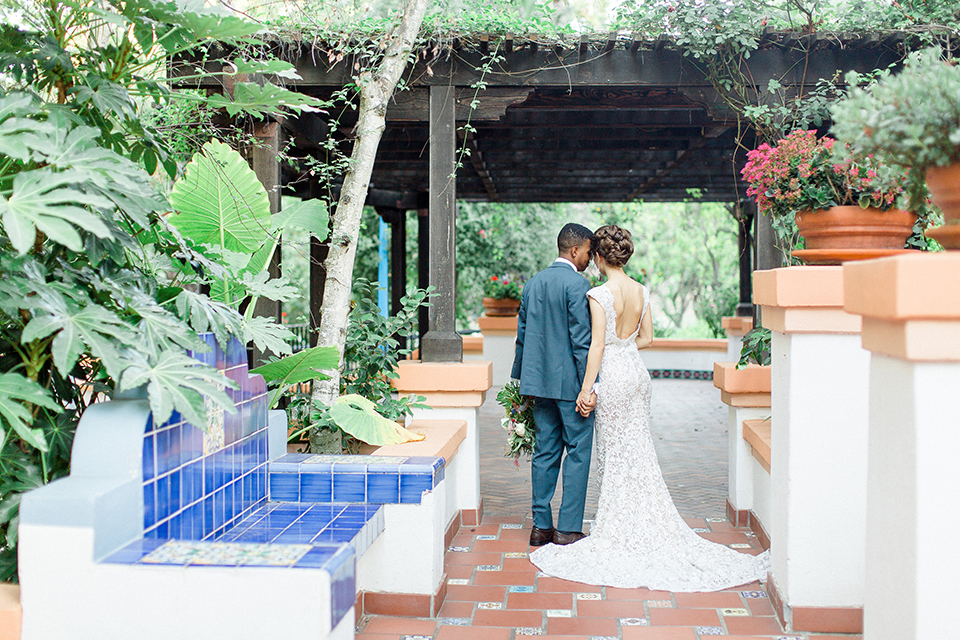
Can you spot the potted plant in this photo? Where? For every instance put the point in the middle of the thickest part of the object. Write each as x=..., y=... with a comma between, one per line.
x=843, y=209
x=911, y=119
x=501, y=295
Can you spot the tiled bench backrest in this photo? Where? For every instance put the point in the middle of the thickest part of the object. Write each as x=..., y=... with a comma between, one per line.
x=196, y=484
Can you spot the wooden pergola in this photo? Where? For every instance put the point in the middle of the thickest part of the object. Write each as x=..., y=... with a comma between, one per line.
x=612, y=120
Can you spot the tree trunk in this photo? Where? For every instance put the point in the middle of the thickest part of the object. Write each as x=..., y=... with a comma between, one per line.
x=376, y=88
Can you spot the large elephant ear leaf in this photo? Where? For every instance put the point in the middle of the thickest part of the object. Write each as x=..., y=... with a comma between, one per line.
x=358, y=416
x=220, y=202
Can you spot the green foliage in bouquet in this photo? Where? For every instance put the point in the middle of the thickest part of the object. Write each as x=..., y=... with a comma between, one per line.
x=517, y=422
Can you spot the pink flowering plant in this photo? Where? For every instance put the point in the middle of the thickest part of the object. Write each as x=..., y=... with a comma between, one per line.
x=517, y=421
x=802, y=172
x=503, y=286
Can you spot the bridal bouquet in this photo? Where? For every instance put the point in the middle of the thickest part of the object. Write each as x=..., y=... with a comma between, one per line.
x=517, y=422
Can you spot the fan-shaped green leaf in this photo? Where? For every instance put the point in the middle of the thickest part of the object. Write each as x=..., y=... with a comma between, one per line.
x=220, y=202
x=15, y=391
x=358, y=416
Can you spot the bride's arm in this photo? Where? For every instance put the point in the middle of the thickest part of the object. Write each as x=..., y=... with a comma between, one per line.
x=645, y=334
x=597, y=329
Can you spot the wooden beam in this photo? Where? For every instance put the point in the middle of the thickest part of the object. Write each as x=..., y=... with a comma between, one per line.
x=476, y=160
x=267, y=167
x=413, y=105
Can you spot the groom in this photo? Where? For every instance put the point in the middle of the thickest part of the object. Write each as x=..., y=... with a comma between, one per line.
x=553, y=338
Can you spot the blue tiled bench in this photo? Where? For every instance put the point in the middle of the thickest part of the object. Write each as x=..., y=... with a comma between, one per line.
x=169, y=529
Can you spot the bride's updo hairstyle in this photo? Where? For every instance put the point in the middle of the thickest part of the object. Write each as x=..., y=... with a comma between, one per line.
x=613, y=243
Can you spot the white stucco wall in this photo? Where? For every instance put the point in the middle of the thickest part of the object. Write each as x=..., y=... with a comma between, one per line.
x=819, y=468
x=741, y=489
x=467, y=470
x=499, y=350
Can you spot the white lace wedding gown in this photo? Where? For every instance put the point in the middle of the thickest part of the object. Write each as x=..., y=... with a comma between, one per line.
x=638, y=538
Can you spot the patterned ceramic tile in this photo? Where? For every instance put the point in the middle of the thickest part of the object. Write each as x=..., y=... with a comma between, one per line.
x=660, y=604
x=741, y=545
x=542, y=574
x=559, y=613
x=529, y=631
x=458, y=549
x=735, y=612
x=589, y=596
x=457, y=581
x=511, y=526
x=753, y=594
x=488, y=567
x=515, y=554
x=710, y=631
x=489, y=605
x=213, y=438
x=185, y=552
x=701, y=530
x=634, y=622
x=416, y=637
x=603, y=637
x=716, y=519
x=456, y=622
x=788, y=638
x=520, y=589
x=486, y=537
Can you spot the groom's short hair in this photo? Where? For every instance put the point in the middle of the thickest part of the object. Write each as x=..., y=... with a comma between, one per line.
x=573, y=235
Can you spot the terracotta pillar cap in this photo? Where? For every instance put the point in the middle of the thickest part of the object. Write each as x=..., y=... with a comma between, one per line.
x=751, y=379
x=804, y=300
x=497, y=324
x=454, y=377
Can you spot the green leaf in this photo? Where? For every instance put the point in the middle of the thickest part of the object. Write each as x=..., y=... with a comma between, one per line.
x=278, y=68
x=259, y=102
x=300, y=367
x=261, y=285
x=206, y=314
x=179, y=382
x=15, y=392
x=161, y=330
x=358, y=416
x=92, y=325
x=310, y=215
x=47, y=201
x=220, y=201
x=267, y=335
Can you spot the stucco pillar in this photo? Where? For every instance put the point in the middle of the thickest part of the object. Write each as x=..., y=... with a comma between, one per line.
x=747, y=394
x=454, y=391
x=819, y=385
x=735, y=327
x=499, y=344
x=911, y=325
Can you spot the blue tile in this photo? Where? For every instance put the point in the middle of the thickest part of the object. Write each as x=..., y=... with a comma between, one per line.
x=149, y=505
x=285, y=487
x=343, y=590
x=163, y=497
x=209, y=475
x=163, y=451
x=315, y=487
x=162, y=531
x=173, y=527
x=134, y=551
x=217, y=509
x=383, y=487
x=207, y=515
x=152, y=534
x=413, y=485
x=150, y=424
x=174, y=444
x=175, y=492
x=198, y=521
x=196, y=473
x=149, y=464
x=342, y=535
x=349, y=487
x=316, y=557
x=438, y=476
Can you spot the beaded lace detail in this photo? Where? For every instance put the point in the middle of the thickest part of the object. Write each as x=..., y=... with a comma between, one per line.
x=638, y=538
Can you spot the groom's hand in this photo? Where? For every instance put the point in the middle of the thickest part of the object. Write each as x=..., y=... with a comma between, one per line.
x=586, y=403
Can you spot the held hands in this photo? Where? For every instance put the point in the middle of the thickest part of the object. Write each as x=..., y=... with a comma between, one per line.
x=586, y=403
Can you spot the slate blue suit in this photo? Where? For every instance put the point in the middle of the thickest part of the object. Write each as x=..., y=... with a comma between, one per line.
x=553, y=338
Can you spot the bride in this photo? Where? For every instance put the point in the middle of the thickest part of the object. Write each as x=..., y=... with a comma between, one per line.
x=638, y=538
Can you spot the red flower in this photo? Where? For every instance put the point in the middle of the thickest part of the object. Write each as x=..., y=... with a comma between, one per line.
x=493, y=278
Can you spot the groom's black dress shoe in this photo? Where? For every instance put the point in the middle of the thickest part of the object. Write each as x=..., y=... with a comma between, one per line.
x=540, y=537
x=560, y=537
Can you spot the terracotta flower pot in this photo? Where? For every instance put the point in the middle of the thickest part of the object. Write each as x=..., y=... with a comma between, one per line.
x=501, y=306
x=944, y=185
x=852, y=233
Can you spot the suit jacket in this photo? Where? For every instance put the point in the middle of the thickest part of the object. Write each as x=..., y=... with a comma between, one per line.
x=553, y=334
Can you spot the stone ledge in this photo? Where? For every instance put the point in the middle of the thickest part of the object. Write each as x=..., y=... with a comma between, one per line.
x=417, y=376
x=757, y=435
x=443, y=438
x=751, y=379
x=736, y=325
x=498, y=325
x=473, y=344
x=810, y=320
x=670, y=344
x=745, y=399
x=909, y=286
x=799, y=287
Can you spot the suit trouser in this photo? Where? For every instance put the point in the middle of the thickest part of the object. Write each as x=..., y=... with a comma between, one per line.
x=560, y=427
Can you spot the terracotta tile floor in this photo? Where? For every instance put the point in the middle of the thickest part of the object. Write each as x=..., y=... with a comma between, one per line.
x=495, y=593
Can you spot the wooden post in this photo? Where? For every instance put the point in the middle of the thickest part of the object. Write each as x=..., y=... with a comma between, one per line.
x=267, y=167
x=748, y=210
x=397, y=219
x=766, y=254
x=423, y=266
x=442, y=343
